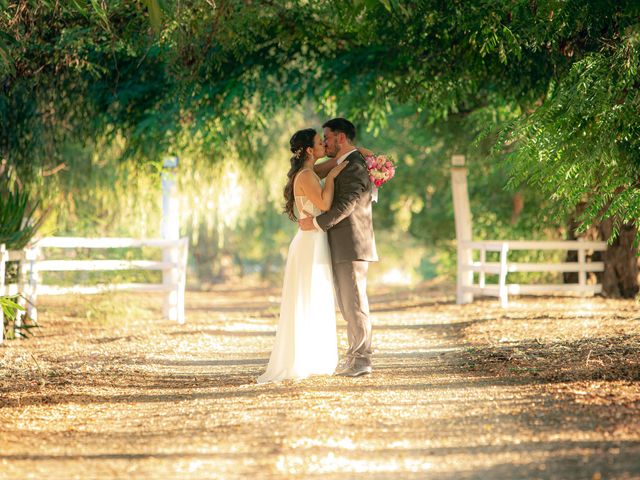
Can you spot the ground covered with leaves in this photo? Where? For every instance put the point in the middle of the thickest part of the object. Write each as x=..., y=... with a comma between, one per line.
x=548, y=388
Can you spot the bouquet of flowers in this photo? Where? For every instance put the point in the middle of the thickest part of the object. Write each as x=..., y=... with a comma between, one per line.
x=381, y=170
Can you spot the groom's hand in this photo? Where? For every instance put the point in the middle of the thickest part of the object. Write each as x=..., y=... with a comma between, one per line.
x=306, y=224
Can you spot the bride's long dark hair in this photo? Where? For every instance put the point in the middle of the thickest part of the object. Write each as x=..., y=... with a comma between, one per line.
x=300, y=141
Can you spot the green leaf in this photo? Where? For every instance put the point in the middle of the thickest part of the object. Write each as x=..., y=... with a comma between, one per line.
x=155, y=14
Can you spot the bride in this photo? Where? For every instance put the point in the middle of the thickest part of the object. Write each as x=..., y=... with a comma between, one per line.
x=306, y=342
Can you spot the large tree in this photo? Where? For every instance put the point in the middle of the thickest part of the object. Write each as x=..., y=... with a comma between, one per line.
x=553, y=83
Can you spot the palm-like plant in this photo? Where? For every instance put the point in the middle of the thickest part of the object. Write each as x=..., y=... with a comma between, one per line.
x=11, y=310
x=18, y=223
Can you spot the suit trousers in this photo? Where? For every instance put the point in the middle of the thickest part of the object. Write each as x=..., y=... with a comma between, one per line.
x=350, y=280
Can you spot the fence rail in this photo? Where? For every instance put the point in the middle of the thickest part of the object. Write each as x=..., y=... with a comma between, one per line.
x=104, y=242
x=497, y=245
x=504, y=266
x=99, y=265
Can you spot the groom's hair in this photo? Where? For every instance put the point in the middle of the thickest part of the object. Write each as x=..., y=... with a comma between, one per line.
x=341, y=125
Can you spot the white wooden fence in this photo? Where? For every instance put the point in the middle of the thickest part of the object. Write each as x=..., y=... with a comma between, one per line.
x=466, y=288
x=33, y=262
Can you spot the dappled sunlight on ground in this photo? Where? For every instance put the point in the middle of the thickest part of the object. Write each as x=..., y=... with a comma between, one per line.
x=545, y=389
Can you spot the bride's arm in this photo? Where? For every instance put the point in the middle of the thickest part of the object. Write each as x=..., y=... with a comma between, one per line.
x=323, y=169
x=320, y=197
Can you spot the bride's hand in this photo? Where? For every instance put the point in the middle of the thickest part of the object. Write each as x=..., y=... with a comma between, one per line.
x=365, y=152
x=335, y=171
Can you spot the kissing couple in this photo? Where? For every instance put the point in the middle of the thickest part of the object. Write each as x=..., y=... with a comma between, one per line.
x=330, y=253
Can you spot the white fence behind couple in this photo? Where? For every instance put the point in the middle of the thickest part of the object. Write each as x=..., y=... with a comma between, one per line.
x=467, y=266
x=32, y=263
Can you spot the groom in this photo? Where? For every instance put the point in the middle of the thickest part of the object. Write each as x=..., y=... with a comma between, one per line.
x=349, y=228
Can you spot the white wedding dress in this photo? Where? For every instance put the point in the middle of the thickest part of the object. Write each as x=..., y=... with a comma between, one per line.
x=306, y=341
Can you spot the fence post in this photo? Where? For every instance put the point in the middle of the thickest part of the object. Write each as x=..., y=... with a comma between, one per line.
x=3, y=259
x=170, y=230
x=23, y=299
x=582, y=274
x=462, y=214
x=182, y=278
x=483, y=260
x=502, y=289
x=32, y=255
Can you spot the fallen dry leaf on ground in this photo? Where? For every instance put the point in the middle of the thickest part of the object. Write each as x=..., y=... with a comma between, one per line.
x=107, y=389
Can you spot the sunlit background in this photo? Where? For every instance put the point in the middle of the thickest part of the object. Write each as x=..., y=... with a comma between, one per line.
x=231, y=209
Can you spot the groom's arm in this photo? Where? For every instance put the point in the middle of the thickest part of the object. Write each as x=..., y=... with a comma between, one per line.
x=354, y=182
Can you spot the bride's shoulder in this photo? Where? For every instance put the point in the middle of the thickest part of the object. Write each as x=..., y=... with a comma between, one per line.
x=302, y=178
x=306, y=174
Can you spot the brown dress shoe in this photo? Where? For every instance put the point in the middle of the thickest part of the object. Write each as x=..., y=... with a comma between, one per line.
x=355, y=371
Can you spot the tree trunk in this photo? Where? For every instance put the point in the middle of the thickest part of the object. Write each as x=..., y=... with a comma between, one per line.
x=518, y=205
x=621, y=276
x=621, y=268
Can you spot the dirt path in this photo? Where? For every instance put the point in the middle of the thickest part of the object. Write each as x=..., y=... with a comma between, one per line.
x=546, y=389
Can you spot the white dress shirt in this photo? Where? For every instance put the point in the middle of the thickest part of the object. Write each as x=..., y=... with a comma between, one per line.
x=340, y=160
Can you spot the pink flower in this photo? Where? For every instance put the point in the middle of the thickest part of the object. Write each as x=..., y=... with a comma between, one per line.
x=381, y=169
